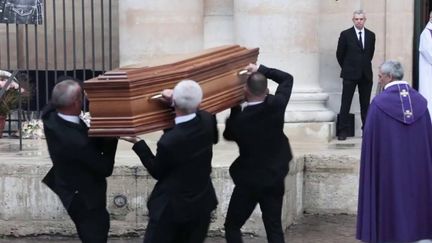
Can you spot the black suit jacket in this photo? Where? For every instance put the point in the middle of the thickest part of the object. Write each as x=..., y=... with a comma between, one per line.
x=355, y=61
x=80, y=163
x=182, y=166
x=264, y=150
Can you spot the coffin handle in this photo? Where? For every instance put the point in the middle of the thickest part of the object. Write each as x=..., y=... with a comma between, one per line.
x=242, y=72
x=156, y=97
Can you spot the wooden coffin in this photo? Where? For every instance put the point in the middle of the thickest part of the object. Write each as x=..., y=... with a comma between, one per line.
x=123, y=101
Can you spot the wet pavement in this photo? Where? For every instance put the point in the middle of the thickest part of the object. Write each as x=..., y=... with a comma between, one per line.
x=310, y=229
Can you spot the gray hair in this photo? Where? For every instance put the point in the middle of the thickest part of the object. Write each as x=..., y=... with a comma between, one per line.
x=65, y=93
x=187, y=96
x=393, y=69
x=359, y=11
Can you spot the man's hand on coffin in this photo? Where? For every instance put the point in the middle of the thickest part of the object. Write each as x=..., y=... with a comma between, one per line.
x=167, y=96
x=252, y=67
x=133, y=139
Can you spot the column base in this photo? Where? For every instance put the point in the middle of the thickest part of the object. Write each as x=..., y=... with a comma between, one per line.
x=308, y=119
x=310, y=132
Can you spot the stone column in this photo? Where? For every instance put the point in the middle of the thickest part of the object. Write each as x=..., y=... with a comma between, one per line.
x=287, y=33
x=399, y=33
x=218, y=23
x=149, y=29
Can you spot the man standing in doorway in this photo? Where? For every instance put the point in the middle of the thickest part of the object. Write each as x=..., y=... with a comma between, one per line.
x=355, y=50
x=425, y=63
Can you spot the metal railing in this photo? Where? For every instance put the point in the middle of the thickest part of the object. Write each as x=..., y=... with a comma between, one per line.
x=76, y=38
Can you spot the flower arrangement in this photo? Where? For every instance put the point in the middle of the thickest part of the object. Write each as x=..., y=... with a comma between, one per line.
x=32, y=129
x=85, y=117
x=11, y=97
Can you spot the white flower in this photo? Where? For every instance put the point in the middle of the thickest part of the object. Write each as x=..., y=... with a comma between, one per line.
x=4, y=75
x=86, y=118
x=32, y=129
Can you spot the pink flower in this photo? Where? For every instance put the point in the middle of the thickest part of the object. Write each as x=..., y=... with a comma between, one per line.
x=4, y=75
x=11, y=98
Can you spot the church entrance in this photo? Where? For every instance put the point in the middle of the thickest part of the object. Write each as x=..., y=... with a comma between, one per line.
x=421, y=17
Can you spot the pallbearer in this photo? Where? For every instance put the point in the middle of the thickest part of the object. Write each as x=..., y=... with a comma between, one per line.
x=80, y=163
x=260, y=169
x=183, y=197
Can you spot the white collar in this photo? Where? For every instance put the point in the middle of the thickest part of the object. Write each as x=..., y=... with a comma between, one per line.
x=185, y=118
x=429, y=25
x=394, y=83
x=357, y=30
x=254, y=103
x=69, y=118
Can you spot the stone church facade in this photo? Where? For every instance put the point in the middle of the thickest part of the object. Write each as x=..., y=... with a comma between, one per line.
x=297, y=36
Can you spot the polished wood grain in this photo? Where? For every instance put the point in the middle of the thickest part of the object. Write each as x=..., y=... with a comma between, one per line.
x=121, y=102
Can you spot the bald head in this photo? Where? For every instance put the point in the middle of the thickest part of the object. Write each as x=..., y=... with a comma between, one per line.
x=257, y=84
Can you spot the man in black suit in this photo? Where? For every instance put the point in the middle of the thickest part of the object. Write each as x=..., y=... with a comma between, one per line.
x=80, y=163
x=355, y=50
x=183, y=197
x=259, y=171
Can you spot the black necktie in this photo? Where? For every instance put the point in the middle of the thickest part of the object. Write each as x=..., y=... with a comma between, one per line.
x=360, y=40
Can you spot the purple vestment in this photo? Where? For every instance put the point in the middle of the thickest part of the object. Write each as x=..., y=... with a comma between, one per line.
x=395, y=189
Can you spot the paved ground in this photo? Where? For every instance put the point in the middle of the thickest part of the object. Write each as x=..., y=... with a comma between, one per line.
x=311, y=229
x=316, y=229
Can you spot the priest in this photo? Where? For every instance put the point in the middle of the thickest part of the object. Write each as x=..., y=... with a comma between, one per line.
x=425, y=62
x=395, y=189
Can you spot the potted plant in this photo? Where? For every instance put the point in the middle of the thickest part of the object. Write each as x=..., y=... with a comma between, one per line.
x=10, y=98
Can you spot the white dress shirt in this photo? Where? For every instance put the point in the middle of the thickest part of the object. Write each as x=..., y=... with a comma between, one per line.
x=69, y=118
x=185, y=118
x=362, y=34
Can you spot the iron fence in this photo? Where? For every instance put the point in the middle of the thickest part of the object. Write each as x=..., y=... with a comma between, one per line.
x=76, y=38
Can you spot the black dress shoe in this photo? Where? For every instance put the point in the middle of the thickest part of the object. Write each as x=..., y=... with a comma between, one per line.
x=342, y=137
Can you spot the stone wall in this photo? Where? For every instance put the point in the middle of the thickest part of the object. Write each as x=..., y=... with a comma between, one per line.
x=330, y=184
x=28, y=207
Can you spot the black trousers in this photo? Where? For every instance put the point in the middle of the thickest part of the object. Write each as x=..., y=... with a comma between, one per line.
x=92, y=224
x=348, y=89
x=165, y=230
x=243, y=202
